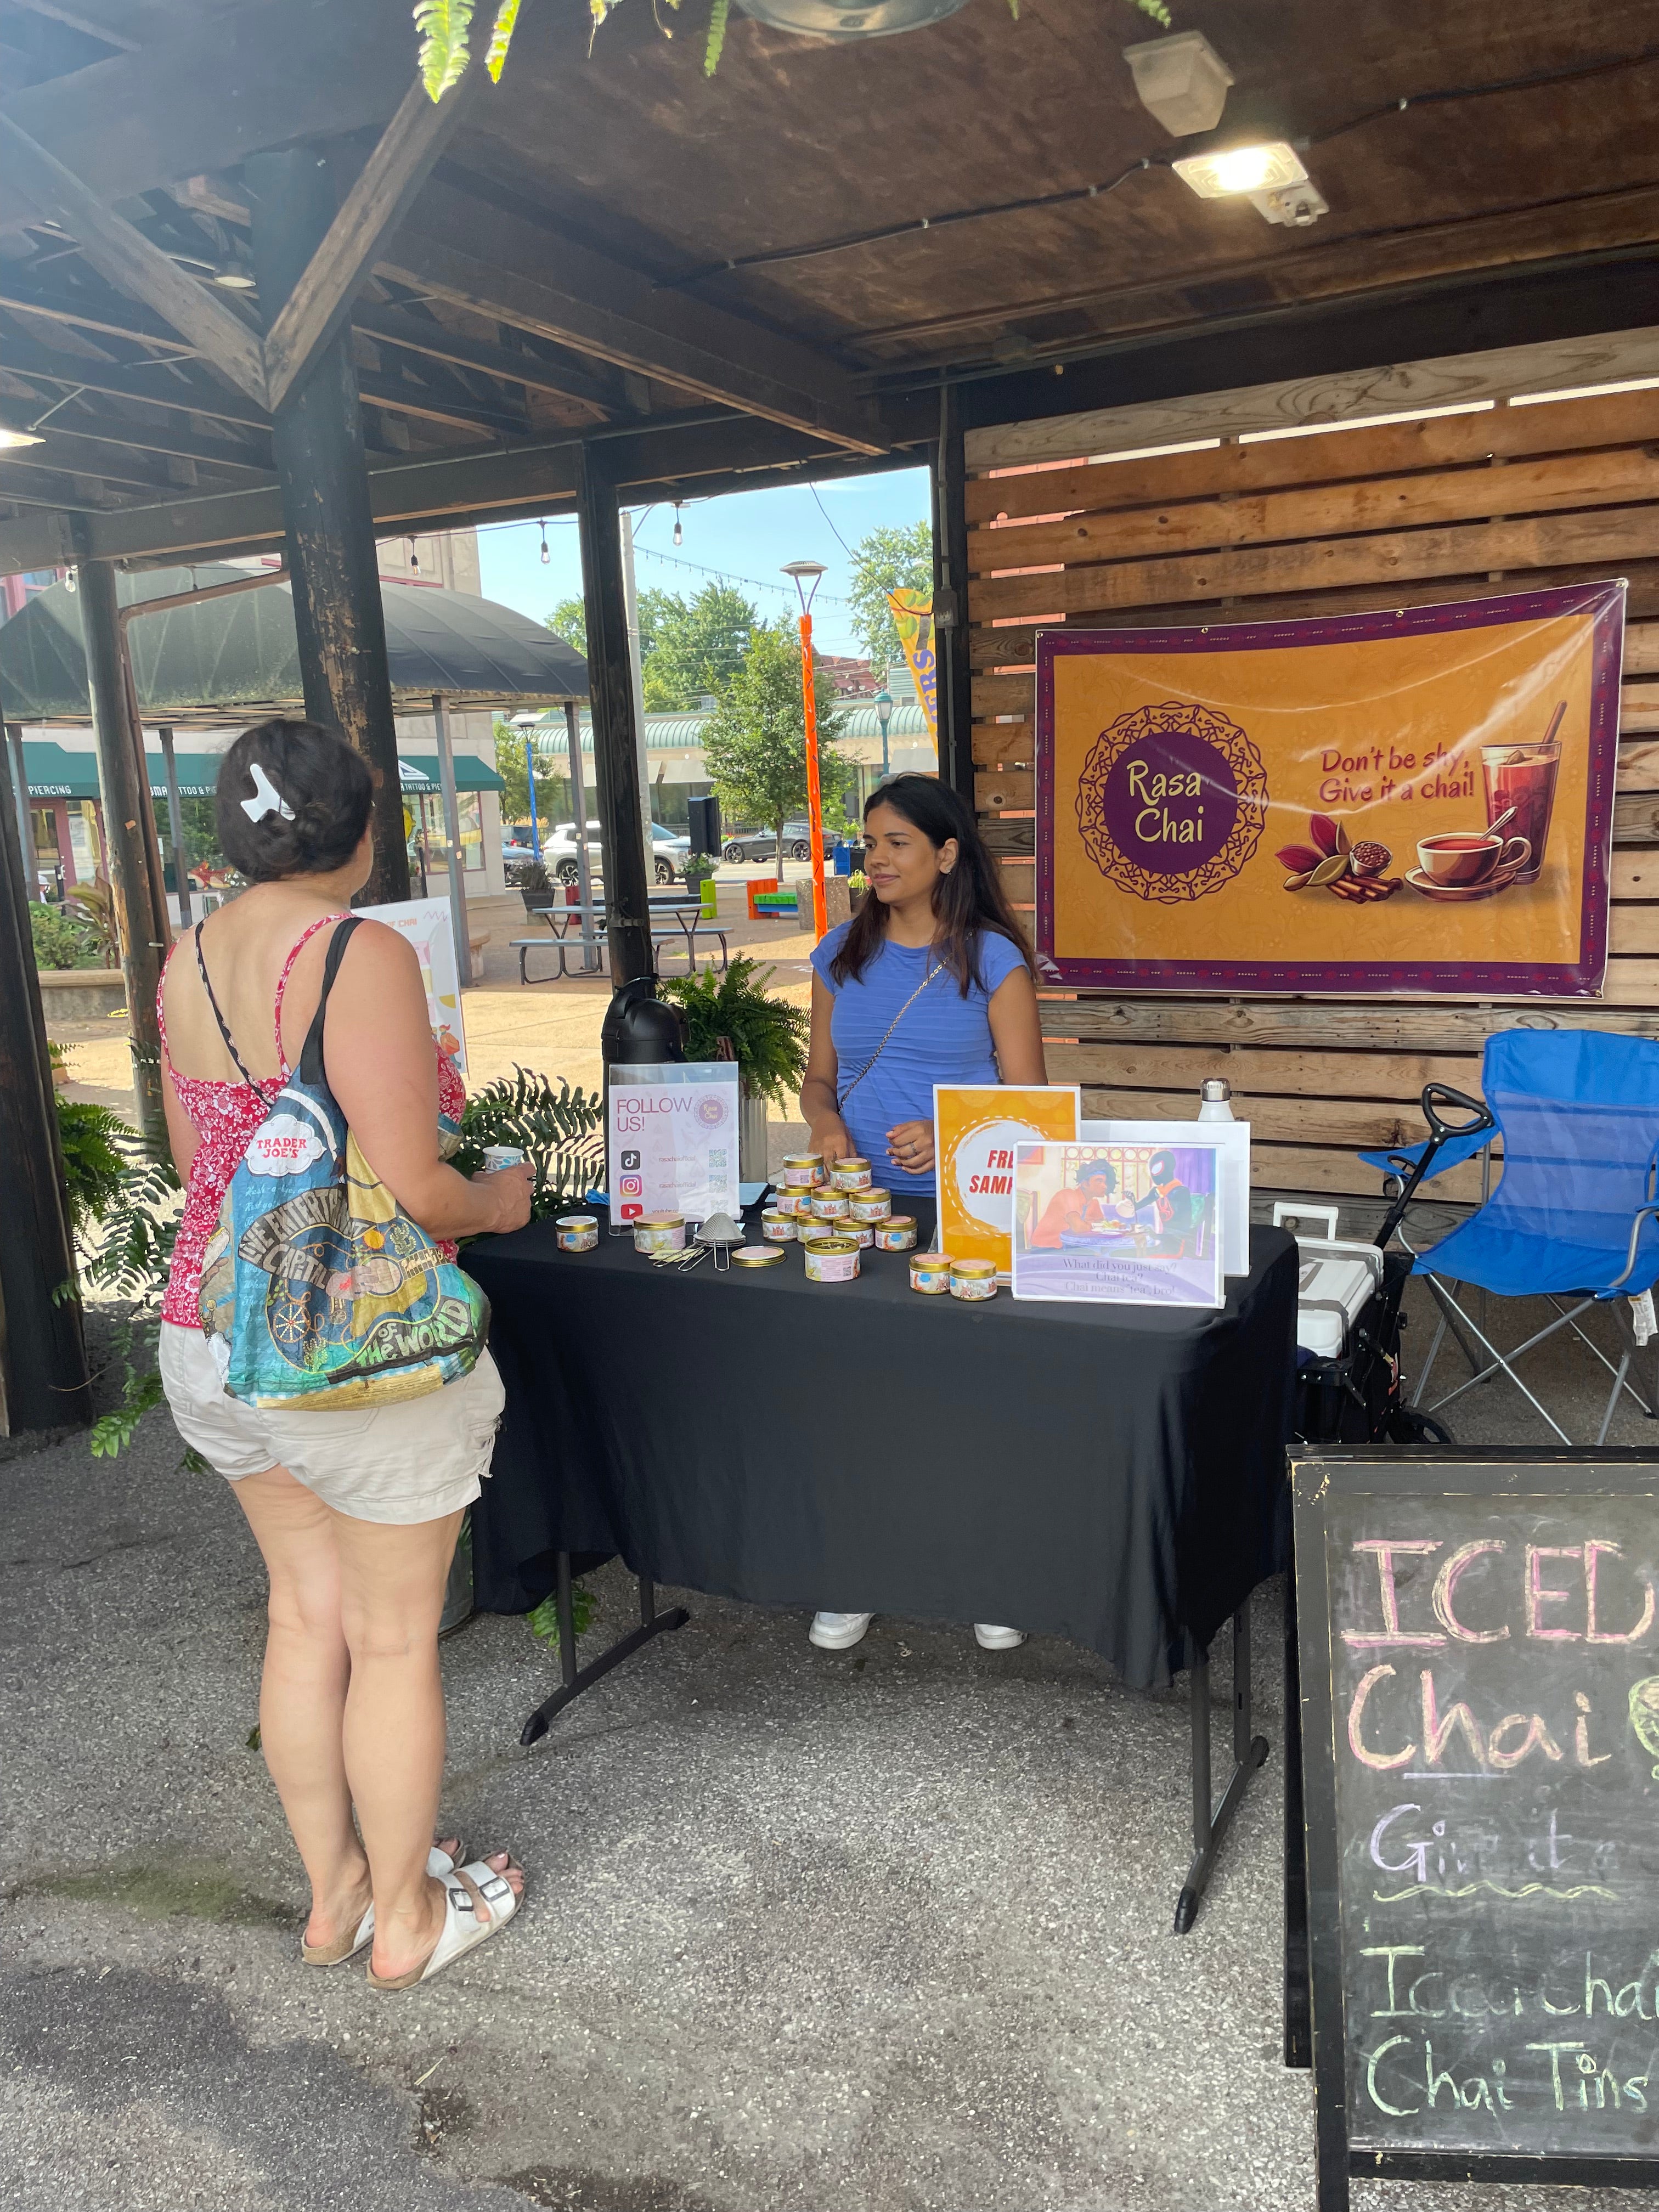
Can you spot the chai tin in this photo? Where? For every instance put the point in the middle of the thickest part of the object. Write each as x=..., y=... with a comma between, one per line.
x=803, y=1170
x=659, y=1233
x=862, y=1233
x=778, y=1227
x=756, y=1255
x=930, y=1274
x=832, y=1259
x=577, y=1232
x=831, y=1204
x=897, y=1232
x=871, y=1205
x=851, y=1174
x=973, y=1278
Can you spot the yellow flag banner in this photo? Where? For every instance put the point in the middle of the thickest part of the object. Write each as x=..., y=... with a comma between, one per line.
x=912, y=612
x=1414, y=801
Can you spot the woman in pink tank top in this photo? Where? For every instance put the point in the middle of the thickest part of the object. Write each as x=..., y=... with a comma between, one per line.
x=355, y=1514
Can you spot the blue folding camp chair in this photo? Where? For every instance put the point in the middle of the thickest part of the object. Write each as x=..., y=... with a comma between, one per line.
x=1574, y=1218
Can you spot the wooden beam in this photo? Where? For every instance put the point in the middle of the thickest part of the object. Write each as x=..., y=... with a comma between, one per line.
x=216, y=90
x=170, y=384
x=385, y=191
x=126, y=258
x=514, y=271
x=421, y=335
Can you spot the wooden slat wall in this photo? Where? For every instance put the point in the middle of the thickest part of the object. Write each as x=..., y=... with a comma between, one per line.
x=1458, y=507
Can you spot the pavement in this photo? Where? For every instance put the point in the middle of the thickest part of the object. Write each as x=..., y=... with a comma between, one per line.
x=888, y=1930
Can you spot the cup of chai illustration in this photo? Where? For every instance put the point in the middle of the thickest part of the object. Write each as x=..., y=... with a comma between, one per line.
x=1462, y=858
x=1520, y=783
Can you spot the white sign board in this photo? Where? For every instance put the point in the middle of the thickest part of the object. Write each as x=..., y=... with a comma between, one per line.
x=425, y=923
x=673, y=1140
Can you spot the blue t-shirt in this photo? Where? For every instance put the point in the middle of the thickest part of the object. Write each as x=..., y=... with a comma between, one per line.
x=944, y=1038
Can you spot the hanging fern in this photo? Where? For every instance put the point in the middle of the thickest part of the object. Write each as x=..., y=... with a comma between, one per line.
x=444, y=26
x=561, y=1133
x=711, y=56
x=507, y=20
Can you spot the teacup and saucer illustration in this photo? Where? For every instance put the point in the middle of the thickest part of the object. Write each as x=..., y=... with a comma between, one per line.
x=1468, y=863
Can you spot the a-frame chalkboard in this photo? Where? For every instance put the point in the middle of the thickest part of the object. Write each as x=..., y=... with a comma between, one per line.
x=1478, y=1647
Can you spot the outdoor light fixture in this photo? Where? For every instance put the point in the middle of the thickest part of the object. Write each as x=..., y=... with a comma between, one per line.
x=1182, y=81
x=546, y=556
x=679, y=534
x=848, y=18
x=806, y=576
x=8, y=437
x=1230, y=172
x=884, y=715
x=232, y=276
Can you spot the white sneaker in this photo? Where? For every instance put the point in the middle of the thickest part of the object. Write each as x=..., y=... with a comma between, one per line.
x=839, y=1631
x=992, y=1638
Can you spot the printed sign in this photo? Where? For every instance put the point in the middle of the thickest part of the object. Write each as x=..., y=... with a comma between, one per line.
x=673, y=1140
x=1117, y=1224
x=1231, y=1140
x=1418, y=800
x=425, y=923
x=913, y=613
x=976, y=1126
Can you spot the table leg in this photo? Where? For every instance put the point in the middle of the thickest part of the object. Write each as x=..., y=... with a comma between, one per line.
x=1211, y=1821
x=1298, y=2007
x=576, y=1679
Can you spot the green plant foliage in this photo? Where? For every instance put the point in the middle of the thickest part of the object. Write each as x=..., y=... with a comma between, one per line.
x=501, y=38
x=767, y=1035
x=95, y=1161
x=568, y=620
x=561, y=1133
x=92, y=905
x=544, y=1621
x=444, y=26
x=711, y=54
x=61, y=940
x=887, y=560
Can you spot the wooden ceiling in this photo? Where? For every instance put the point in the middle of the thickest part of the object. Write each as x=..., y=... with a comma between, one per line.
x=545, y=287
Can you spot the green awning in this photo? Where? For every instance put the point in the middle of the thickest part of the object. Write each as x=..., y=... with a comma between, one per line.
x=53, y=771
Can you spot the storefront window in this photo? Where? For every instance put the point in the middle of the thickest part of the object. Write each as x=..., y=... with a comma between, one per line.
x=429, y=844
x=84, y=844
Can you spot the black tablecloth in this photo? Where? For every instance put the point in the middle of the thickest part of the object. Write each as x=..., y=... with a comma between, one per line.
x=1110, y=1473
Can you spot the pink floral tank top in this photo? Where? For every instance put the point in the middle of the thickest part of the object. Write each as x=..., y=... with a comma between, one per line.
x=224, y=1116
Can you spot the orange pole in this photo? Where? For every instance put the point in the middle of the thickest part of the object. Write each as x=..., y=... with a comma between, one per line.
x=814, y=798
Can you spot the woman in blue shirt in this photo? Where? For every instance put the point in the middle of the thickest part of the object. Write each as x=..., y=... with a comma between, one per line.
x=930, y=983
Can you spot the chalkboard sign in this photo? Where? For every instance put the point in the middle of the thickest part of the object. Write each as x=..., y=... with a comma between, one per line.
x=1479, y=1645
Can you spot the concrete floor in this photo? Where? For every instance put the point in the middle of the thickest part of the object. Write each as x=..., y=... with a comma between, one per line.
x=888, y=1930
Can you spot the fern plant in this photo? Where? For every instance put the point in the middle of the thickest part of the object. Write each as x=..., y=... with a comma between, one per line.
x=767, y=1035
x=560, y=1133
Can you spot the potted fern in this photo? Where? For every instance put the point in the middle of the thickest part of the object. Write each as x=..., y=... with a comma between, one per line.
x=734, y=1017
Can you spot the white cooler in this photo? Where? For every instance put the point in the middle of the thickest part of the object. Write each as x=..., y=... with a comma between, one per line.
x=1334, y=1279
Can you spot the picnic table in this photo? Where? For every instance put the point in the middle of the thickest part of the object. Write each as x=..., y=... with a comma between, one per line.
x=685, y=909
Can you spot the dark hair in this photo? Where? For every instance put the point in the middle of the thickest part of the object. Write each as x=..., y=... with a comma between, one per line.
x=1088, y=1172
x=325, y=784
x=967, y=900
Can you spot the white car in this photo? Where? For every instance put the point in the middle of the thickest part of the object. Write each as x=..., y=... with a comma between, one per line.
x=668, y=851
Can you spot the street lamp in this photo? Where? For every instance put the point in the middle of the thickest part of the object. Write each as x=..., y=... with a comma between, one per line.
x=807, y=575
x=884, y=716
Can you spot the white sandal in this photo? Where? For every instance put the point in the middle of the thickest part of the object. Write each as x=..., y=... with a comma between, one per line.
x=474, y=1892
x=439, y=1865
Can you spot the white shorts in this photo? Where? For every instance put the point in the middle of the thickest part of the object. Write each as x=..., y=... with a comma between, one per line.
x=415, y=1461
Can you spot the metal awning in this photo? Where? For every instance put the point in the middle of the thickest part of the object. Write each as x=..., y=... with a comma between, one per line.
x=54, y=771
x=237, y=657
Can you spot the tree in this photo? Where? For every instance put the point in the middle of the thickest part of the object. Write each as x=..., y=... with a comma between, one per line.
x=697, y=646
x=887, y=561
x=755, y=745
x=568, y=620
x=510, y=767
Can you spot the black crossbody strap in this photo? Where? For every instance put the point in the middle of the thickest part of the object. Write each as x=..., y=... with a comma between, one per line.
x=224, y=1027
x=937, y=969
x=311, y=1057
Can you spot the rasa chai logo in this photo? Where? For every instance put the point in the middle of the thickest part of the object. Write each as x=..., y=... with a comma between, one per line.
x=1171, y=801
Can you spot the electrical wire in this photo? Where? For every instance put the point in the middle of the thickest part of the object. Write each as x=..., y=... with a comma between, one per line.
x=829, y=519
x=846, y=240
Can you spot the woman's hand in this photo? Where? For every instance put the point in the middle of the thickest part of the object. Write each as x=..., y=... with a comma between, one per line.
x=910, y=1146
x=511, y=1189
x=830, y=1138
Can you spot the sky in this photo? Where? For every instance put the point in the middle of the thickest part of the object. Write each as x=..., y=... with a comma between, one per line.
x=745, y=536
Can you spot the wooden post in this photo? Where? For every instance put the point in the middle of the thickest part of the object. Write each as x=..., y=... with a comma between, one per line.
x=176, y=826
x=43, y=1359
x=950, y=634
x=317, y=438
x=128, y=832
x=616, y=741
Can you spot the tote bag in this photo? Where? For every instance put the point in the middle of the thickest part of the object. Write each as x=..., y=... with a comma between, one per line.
x=317, y=1290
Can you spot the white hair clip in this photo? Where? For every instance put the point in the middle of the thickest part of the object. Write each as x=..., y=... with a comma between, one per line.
x=266, y=798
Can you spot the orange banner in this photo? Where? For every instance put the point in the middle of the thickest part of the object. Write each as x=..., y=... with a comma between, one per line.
x=1415, y=801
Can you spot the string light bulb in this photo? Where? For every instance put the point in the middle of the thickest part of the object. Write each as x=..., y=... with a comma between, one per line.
x=414, y=557
x=546, y=556
x=679, y=534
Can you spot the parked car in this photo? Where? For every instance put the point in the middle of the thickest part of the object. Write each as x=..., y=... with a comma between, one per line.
x=517, y=850
x=559, y=852
x=762, y=845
